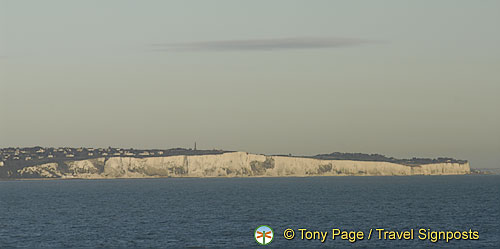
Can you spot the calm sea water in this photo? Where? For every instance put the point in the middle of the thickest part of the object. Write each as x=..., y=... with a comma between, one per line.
x=224, y=212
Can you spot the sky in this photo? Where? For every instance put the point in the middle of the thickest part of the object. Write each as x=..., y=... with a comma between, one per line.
x=399, y=78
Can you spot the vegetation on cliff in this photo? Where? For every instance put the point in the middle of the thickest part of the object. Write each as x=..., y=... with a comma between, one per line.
x=381, y=158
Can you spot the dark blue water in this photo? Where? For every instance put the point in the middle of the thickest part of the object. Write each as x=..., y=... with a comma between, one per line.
x=223, y=213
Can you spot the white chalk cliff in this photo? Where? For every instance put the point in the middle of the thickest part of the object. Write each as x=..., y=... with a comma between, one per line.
x=232, y=164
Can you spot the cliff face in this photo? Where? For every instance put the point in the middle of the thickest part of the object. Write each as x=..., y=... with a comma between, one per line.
x=234, y=164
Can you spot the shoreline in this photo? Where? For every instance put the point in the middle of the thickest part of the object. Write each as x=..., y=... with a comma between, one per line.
x=226, y=177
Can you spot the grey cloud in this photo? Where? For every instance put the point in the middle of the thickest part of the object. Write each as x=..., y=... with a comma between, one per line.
x=262, y=44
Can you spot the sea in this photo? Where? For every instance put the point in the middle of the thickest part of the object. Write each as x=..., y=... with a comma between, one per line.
x=225, y=212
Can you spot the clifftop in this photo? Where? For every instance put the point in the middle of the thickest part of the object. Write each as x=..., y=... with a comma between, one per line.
x=381, y=158
x=98, y=163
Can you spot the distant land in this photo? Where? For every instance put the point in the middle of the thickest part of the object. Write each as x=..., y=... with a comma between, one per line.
x=95, y=163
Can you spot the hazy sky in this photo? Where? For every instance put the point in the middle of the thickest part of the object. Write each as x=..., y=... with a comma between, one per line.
x=400, y=78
